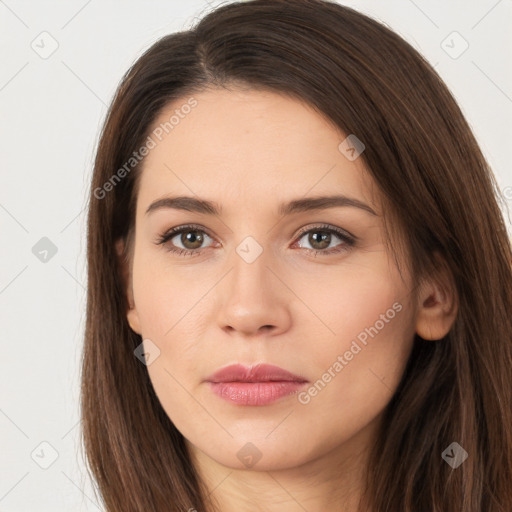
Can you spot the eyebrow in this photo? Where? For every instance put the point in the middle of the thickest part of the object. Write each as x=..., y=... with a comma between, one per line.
x=192, y=204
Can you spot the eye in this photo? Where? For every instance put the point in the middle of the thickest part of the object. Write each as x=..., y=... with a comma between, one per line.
x=320, y=238
x=191, y=237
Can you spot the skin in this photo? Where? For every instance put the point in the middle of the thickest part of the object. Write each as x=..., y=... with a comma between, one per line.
x=249, y=151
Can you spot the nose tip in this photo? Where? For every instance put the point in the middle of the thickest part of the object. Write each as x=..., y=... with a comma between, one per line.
x=248, y=325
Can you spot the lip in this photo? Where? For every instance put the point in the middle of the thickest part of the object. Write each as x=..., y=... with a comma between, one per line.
x=261, y=384
x=257, y=373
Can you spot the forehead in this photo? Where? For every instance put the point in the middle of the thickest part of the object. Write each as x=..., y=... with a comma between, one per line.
x=248, y=145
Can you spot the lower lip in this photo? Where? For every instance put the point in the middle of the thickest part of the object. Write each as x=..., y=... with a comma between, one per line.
x=255, y=393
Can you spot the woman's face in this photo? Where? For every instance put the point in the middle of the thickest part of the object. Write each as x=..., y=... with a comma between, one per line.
x=267, y=279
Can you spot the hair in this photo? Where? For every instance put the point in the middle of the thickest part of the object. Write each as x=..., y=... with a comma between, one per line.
x=430, y=171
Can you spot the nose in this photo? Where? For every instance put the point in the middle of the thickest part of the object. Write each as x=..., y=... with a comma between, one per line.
x=254, y=299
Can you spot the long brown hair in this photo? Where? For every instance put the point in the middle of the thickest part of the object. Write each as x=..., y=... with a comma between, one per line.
x=428, y=167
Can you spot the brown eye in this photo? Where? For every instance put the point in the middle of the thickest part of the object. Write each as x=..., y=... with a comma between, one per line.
x=191, y=239
x=319, y=242
x=320, y=238
x=184, y=240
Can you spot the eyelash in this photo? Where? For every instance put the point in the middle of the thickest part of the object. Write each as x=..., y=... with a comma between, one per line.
x=348, y=240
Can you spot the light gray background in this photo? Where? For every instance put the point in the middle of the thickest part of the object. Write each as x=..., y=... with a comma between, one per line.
x=51, y=112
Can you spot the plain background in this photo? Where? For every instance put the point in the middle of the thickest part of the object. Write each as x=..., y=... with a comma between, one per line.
x=52, y=108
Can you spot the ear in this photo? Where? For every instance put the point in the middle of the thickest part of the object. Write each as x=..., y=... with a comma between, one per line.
x=437, y=303
x=126, y=279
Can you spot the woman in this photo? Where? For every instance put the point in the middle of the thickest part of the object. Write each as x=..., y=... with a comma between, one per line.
x=299, y=277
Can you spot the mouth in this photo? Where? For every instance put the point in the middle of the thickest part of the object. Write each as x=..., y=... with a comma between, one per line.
x=257, y=385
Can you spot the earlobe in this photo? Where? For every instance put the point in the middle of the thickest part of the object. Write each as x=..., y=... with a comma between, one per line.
x=437, y=306
x=125, y=277
x=133, y=320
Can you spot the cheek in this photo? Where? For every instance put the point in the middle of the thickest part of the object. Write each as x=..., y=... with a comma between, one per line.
x=358, y=356
x=357, y=299
x=171, y=309
x=166, y=295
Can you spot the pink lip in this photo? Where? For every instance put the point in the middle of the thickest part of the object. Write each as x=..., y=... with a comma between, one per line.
x=258, y=385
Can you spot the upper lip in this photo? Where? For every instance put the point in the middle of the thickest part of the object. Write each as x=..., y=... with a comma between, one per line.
x=257, y=373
